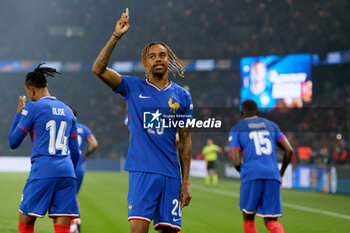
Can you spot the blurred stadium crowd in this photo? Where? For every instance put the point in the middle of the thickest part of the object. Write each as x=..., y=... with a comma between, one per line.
x=210, y=28
x=76, y=30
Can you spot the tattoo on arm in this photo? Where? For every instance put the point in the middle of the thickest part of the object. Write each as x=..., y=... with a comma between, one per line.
x=104, y=56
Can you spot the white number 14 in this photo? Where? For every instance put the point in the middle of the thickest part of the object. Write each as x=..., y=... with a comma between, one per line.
x=61, y=142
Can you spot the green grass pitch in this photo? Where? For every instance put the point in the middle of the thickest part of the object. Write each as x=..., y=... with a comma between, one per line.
x=212, y=210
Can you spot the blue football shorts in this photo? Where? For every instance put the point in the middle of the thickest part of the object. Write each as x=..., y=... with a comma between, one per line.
x=262, y=197
x=154, y=197
x=56, y=195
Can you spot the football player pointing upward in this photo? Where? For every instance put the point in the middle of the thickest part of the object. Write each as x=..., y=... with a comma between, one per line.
x=156, y=190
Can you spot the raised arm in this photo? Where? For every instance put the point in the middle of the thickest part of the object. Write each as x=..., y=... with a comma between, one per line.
x=288, y=152
x=110, y=77
x=185, y=150
x=17, y=135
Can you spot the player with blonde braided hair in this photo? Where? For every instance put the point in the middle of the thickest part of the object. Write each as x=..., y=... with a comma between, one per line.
x=156, y=190
x=176, y=66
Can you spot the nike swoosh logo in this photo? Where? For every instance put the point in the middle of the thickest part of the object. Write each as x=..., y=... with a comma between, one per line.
x=144, y=97
x=176, y=219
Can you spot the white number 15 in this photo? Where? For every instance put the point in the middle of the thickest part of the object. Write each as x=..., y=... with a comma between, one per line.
x=262, y=143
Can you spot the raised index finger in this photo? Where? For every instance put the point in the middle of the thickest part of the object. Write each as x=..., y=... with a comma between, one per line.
x=127, y=12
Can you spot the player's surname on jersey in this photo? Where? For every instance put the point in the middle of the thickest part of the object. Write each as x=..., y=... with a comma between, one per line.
x=58, y=111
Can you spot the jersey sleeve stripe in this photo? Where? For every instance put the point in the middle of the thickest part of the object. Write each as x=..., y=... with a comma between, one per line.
x=74, y=135
x=26, y=131
x=90, y=135
x=236, y=148
x=127, y=112
x=34, y=137
x=281, y=139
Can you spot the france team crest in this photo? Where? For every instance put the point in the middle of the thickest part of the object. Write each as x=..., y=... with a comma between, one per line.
x=173, y=105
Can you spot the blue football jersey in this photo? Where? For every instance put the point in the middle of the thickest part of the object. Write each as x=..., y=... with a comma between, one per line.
x=152, y=149
x=52, y=126
x=257, y=139
x=83, y=134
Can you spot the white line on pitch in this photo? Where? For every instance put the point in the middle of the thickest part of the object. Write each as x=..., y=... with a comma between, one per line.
x=288, y=205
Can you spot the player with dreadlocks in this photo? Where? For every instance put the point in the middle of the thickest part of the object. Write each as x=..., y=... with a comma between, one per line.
x=51, y=185
x=156, y=190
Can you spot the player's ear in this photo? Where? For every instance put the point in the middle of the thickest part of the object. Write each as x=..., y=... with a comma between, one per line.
x=28, y=90
x=32, y=91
